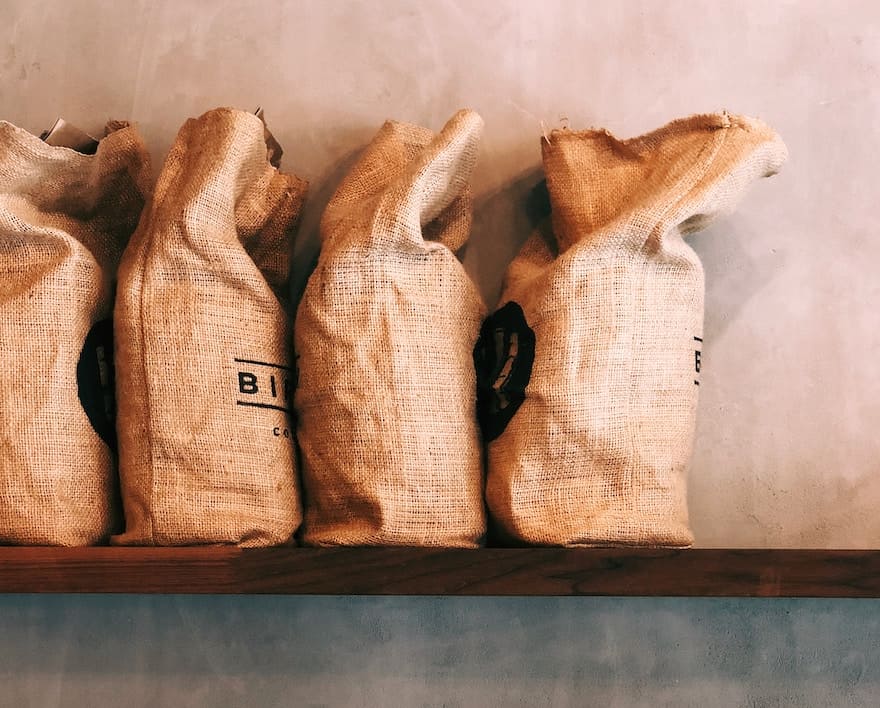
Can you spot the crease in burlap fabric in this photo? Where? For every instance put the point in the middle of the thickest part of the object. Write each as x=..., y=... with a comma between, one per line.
x=597, y=452
x=65, y=218
x=204, y=364
x=386, y=402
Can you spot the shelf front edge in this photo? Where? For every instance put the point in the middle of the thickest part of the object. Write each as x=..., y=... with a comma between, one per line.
x=423, y=571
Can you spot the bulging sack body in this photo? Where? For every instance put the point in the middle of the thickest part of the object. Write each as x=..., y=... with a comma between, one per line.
x=385, y=332
x=592, y=363
x=204, y=367
x=65, y=218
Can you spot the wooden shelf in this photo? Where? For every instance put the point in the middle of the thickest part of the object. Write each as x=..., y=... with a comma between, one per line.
x=423, y=571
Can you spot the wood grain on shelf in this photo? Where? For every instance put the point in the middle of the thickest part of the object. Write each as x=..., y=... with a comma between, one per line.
x=421, y=571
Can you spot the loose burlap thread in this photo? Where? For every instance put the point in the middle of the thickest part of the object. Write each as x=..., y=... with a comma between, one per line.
x=203, y=332
x=65, y=218
x=385, y=332
x=597, y=454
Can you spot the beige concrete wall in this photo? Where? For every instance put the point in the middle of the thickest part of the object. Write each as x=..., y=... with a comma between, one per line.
x=788, y=450
x=788, y=447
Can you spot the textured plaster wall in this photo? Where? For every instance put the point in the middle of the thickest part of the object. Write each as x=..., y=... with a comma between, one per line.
x=788, y=448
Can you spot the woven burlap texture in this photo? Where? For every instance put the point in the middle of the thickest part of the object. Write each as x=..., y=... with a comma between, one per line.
x=385, y=333
x=64, y=221
x=598, y=452
x=203, y=345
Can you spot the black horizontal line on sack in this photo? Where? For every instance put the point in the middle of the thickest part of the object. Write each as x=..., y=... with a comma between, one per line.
x=263, y=363
x=696, y=339
x=264, y=405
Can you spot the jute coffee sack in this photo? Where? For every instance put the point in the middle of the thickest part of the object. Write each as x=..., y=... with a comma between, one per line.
x=203, y=332
x=65, y=218
x=593, y=361
x=385, y=332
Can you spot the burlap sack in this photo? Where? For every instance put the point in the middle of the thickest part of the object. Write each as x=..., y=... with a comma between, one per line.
x=592, y=364
x=385, y=333
x=64, y=219
x=204, y=368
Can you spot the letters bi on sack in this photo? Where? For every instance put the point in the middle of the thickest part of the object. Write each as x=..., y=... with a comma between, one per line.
x=386, y=400
x=203, y=345
x=590, y=368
